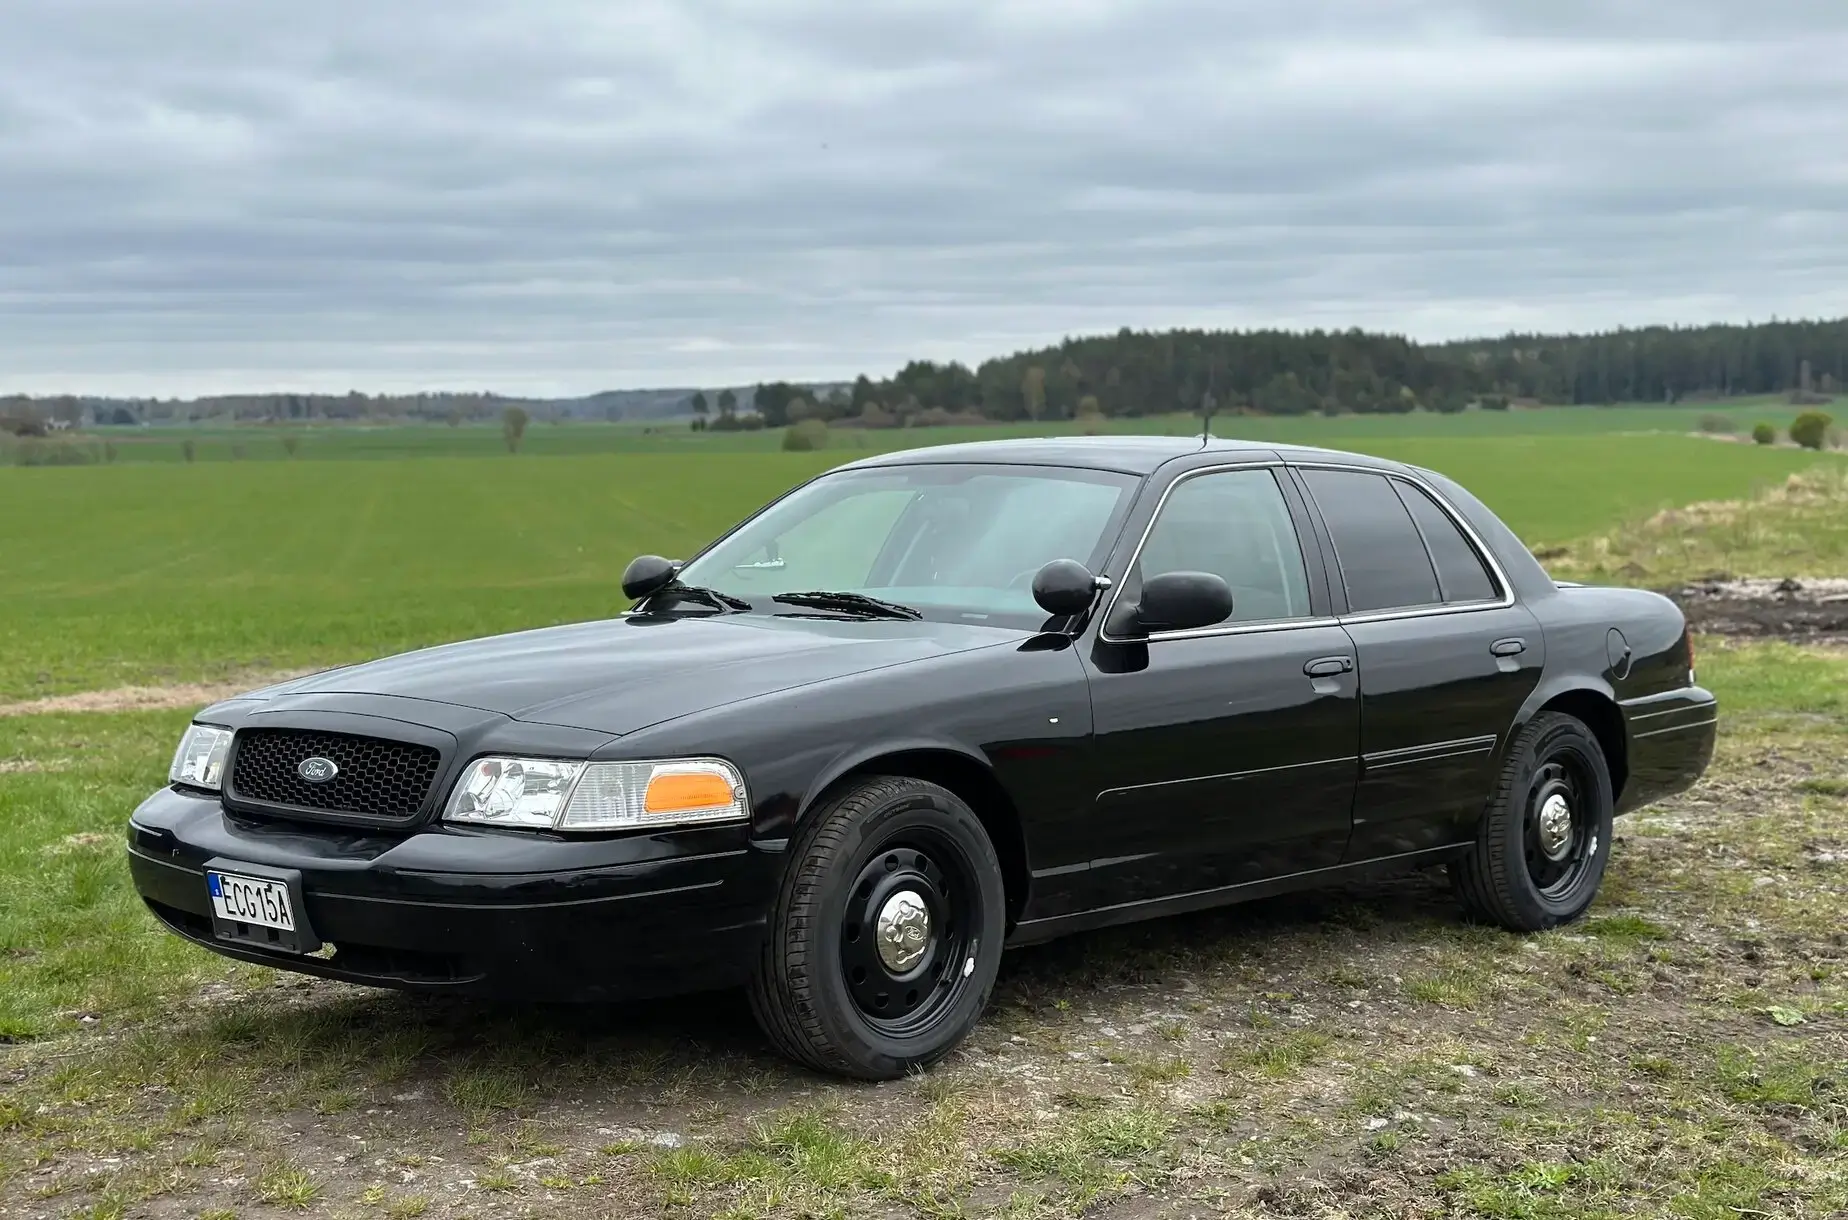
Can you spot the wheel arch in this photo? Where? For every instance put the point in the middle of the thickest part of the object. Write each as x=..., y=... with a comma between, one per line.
x=1595, y=706
x=964, y=772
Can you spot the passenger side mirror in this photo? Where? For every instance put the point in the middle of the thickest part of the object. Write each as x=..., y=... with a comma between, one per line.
x=1064, y=587
x=1182, y=601
x=647, y=574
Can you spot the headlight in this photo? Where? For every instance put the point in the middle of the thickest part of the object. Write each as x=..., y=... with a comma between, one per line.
x=549, y=795
x=200, y=760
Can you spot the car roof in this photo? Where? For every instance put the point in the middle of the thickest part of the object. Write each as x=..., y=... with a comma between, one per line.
x=1139, y=455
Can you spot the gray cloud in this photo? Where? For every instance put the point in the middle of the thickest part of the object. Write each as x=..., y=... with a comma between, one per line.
x=565, y=195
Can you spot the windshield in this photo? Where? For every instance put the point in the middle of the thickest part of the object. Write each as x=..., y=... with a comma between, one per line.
x=953, y=541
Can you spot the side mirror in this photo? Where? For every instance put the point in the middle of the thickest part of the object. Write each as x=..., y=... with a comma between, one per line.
x=1182, y=601
x=647, y=574
x=1064, y=587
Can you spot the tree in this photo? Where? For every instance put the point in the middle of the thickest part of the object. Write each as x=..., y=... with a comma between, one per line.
x=291, y=444
x=1033, y=391
x=772, y=402
x=1811, y=429
x=700, y=405
x=728, y=406
x=513, y=427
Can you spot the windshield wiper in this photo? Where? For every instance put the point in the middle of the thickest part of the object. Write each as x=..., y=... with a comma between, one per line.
x=849, y=603
x=709, y=597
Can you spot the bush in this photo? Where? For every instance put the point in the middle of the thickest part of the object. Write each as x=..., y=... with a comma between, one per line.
x=1718, y=424
x=1811, y=429
x=189, y=449
x=291, y=445
x=1494, y=402
x=808, y=435
x=1764, y=433
x=237, y=451
x=35, y=451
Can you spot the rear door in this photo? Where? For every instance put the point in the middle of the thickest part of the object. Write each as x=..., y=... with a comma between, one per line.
x=1221, y=757
x=1446, y=657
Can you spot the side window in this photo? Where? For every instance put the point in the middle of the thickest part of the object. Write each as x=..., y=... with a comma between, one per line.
x=1383, y=559
x=1461, y=574
x=1236, y=525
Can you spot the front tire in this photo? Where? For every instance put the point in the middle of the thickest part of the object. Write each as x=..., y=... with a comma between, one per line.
x=886, y=931
x=1546, y=836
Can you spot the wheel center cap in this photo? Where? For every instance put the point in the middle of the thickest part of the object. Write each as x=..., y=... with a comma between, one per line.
x=903, y=929
x=1555, y=826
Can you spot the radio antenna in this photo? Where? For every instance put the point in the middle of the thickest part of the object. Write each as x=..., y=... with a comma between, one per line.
x=1208, y=404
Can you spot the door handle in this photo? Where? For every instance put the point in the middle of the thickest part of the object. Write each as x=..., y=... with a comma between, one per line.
x=1508, y=648
x=1328, y=667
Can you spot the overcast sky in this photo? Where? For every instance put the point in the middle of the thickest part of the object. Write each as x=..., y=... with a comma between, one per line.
x=559, y=196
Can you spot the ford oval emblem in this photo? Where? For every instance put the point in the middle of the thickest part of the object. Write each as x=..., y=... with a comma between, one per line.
x=317, y=770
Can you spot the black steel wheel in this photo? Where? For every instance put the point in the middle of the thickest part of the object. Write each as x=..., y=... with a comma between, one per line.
x=1545, y=838
x=886, y=933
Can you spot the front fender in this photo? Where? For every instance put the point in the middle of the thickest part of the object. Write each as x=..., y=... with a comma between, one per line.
x=859, y=754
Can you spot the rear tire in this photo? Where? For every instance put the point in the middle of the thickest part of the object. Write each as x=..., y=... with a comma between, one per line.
x=885, y=935
x=1545, y=838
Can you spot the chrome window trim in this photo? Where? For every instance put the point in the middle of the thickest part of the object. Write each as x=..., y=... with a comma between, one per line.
x=1199, y=633
x=1469, y=535
x=1289, y=624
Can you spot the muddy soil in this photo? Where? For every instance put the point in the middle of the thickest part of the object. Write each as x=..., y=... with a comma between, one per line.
x=1813, y=611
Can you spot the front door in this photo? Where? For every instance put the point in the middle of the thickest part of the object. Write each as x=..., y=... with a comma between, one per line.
x=1446, y=660
x=1226, y=754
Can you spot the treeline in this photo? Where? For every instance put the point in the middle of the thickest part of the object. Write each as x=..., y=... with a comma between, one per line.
x=1134, y=373
x=25, y=415
x=1129, y=373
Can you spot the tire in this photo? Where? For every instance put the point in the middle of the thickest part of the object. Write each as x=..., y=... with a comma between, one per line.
x=1519, y=873
x=834, y=994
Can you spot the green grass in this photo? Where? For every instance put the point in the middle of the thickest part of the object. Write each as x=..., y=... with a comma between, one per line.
x=320, y=442
x=1795, y=528
x=1632, y=1064
x=75, y=942
x=151, y=573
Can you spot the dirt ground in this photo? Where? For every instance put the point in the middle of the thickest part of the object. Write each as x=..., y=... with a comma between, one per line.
x=1359, y=1052
x=1811, y=611
x=149, y=698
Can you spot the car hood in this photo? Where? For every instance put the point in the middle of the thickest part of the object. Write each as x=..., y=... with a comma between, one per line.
x=624, y=674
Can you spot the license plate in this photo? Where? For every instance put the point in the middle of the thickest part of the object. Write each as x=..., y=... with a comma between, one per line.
x=251, y=900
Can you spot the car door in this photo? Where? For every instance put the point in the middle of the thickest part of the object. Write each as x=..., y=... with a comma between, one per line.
x=1224, y=754
x=1446, y=657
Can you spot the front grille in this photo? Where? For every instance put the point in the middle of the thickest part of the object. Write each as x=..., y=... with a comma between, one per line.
x=376, y=778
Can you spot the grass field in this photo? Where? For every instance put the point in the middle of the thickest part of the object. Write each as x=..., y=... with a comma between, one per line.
x=263, y=442
x=1356, y=1053
x=163, y=572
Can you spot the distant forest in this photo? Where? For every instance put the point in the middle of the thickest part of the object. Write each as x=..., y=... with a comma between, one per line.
x=1135, y=373
x=1130, y=373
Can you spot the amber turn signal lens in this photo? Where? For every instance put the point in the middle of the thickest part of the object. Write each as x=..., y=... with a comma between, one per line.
x=679, y=791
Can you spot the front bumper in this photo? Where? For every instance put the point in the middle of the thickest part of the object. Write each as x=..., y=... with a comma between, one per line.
x=478, y=912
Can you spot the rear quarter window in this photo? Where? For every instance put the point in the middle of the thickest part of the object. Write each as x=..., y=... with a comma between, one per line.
x=1462, y=576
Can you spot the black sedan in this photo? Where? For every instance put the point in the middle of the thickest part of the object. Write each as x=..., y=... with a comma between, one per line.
x=930, y=705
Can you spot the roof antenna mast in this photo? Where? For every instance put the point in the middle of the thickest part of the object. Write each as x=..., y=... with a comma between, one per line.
x=1208, y=404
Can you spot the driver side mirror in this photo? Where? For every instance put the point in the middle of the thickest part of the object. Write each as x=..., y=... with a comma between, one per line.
x=647, y=574
x=1183, y=601
x=1064, y=587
